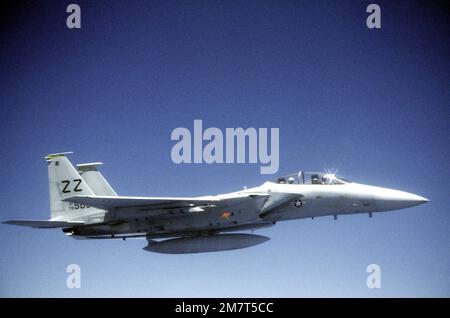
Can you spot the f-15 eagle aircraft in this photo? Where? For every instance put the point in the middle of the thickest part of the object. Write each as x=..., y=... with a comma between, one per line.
x=84, y=205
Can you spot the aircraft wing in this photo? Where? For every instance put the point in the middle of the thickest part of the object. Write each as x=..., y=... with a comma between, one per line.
x=42, y=224
x=109, y=202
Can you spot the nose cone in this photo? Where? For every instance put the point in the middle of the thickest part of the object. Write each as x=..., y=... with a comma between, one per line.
x=388, y=199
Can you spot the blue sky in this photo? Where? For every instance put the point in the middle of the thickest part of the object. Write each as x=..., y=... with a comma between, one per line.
x=372, y=103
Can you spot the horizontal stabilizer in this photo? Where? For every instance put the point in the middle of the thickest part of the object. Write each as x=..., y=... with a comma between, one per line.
x=41, y=224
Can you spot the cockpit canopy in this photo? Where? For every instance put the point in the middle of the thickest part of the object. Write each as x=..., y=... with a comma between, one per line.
x=303, y=177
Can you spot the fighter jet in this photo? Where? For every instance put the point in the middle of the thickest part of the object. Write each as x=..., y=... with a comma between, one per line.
x=85, y=206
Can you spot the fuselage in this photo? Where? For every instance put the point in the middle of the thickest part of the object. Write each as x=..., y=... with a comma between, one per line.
x=282, y=202
x=349, y=198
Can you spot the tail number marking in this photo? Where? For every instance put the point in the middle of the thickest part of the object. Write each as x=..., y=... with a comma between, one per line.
x=66, y=184
x=77, y=206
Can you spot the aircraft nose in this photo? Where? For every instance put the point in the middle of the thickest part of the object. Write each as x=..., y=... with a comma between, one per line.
x=388, y=199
